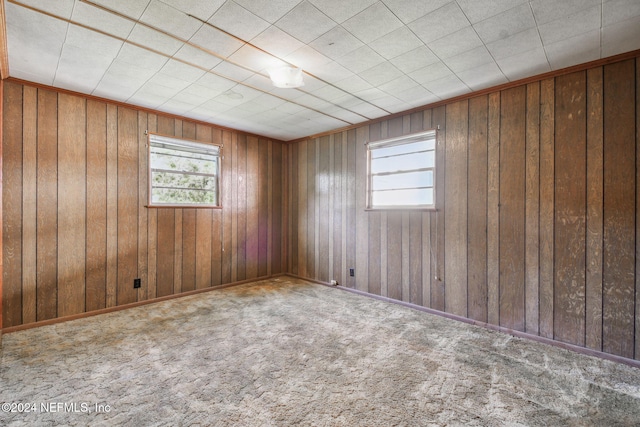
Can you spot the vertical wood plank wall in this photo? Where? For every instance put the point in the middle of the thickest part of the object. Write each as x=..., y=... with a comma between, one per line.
x=76, y=229
x=536, y=227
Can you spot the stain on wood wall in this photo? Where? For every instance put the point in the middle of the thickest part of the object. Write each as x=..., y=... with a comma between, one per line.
x=537, y=219
x=76, y=229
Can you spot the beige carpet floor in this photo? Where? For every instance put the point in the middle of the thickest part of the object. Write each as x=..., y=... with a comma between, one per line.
x=284, y=352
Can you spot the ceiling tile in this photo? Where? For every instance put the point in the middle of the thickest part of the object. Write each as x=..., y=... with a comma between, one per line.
x=147, y=98
x=483, y=76
x=126, y=75
x=115, y=88
x=238, y=21
x=210, y=86
x=200, y=9
x=506, y=24
x=182, y=71
x=455, y=43
x=332, y=72
x=271, y=10
x=276, y=42
x=197, y=57
x=170, y=20
x=437, y=24
x=619, y=10
x=174, y=106
x=567, y=52
x=336, y=42
x=468, y=60
x=447, y=87
x=296, y=22
x=569, y=26
x=409, y=95
x=340, y=10
x=307, y=58
x=401, y=84
x=372, y=23
x=361, y=59
x=260, y=82
x=216, y=41
x=102, y=20
x=188, y=97
x=166, y=85
x=415, y=59
x=141, y=58
x=353, y=84
x=61, y=8
x=521, y=42
x=478, y=11
x=550, y=10
x=430, y=73
x=329, y=93
x=410, y=10
x=621, y=37
x=154, y=40
x=381, y=74
x=232, y=72
x=254, y=59
x=523, y=64
x=396, y=43
x=131, y=8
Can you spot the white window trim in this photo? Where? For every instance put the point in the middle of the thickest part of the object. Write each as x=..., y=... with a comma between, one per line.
x=400, y=140
x=186, y=143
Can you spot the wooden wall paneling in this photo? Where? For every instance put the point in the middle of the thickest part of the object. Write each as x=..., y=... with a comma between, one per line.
x=294, y=203
x=361, y=215
x=278, y=208
x=532, y=209
x=12, y=204
x=178, y=246
x=344, y=146
x=216, y=215
x=29, y=205
x=438, y=120
x=234, y=208
x=72, y=200
x=310, y=170
x=265, y=182
x=593, y=309
x=242, y=207
x=512, y=214
x=394, y=255
x=316, y=212
x=384, y=282
x=547, y=173
x=253, y=206
x=188, y=244
x=415, y=257
x=570, y=208
x=337, y=193
x=374, y=217
x=165, y=258
x=406, y=284
x=127, y=205
x=493, y=209
x=204, y=230
x=1, y=190
x=426, y=235
x=477, y=209
x=331, y=207
x=112, y=206
x=322, y=207
x=152, y=230
x=96, y=267
x=455, y=194
x=350, y=206
x=282, y=221
x=637, y=320
x=227, y=206
x=302, y=216
x=416, y=121
x=143, y=197
x=619, y=205
x=269, y=214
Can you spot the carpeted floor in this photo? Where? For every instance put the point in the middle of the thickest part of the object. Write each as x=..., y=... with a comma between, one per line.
x=284, y=352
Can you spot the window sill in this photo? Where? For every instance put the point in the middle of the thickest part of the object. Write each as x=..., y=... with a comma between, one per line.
x=402, y=209
x=181, y=207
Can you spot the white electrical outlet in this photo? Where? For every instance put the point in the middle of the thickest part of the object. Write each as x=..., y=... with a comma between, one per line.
x=334, y=283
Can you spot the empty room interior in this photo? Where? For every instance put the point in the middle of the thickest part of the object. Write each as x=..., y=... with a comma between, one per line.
x=320, y=212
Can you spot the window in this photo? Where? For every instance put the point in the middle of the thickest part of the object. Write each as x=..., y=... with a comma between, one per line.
x=183, y=173
x=401, y=172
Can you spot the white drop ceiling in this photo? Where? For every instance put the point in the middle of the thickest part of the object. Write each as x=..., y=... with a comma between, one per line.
x=362, y=59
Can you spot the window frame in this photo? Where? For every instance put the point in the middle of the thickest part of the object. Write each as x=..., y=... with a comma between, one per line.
x=401, y=140
x=186, y=142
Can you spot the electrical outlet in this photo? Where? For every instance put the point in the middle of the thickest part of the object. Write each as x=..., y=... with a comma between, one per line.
x=137, y=283
x=352, y=272
x=334, y=283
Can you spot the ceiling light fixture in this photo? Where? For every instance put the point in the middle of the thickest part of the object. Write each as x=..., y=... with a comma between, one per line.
x=286, y=77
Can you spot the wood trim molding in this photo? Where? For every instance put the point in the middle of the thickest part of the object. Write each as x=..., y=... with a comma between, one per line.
x=1, y=210
x=551, y=74
x=4, y=55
